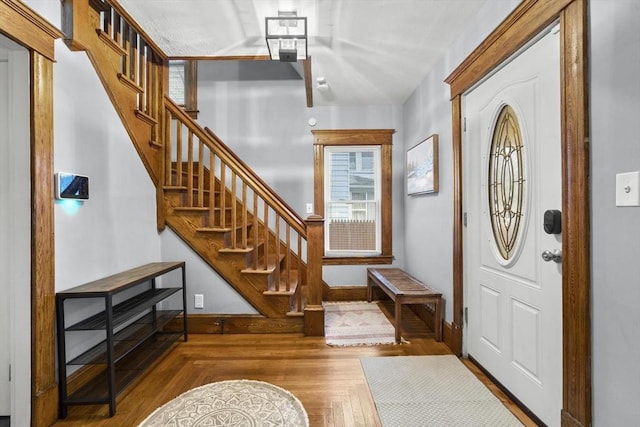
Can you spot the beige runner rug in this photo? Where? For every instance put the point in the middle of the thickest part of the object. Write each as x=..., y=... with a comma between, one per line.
x=432, y=391
x=356, y=323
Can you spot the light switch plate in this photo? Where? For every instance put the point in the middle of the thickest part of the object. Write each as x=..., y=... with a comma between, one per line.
x=628, y=189
x=198, y=301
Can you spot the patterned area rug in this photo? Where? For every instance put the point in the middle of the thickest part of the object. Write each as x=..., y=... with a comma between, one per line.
x=356, y=323
x=432, y=391
x=242, y=403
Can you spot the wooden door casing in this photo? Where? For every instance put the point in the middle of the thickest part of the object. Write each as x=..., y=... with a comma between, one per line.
x=527, y=20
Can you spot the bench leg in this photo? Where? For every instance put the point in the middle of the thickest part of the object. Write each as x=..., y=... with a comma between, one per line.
x=369, y=290
x=398, y=321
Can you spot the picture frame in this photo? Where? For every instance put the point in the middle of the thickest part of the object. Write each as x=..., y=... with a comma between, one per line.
x=422, y=167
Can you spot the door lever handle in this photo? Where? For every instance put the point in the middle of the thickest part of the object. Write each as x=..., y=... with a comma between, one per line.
x=555, y=256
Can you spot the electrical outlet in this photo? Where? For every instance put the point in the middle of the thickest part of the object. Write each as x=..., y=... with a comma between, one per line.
x=628, y=189
x=198, y=301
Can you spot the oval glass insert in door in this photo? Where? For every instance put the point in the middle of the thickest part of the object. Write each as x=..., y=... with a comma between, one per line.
x=506, y=185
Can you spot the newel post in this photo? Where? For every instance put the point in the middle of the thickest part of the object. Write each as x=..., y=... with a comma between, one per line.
x=314, y=311
x=161, y=219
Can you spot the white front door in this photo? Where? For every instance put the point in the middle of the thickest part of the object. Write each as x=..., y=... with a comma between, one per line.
x=512, y=176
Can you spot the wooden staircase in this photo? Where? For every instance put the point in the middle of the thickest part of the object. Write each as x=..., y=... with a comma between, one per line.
x=205, y=193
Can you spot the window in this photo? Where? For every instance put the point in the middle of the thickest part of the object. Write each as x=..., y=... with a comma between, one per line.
x=183, y=85
x=507, y=184
x=352, y=200
x=353, y=194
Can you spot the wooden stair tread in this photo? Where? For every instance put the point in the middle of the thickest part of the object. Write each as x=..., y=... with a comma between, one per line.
x=191, y=208
x=236, y=250
x=197, y=209
x=295, y=313
x=289, y=292
x=270, y=269
x=184, y=188
x=217, y=230
x=272, y=264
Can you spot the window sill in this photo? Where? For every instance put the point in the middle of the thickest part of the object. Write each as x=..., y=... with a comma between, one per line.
x=373, y=260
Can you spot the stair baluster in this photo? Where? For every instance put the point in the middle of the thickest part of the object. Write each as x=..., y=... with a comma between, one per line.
x=203, y=188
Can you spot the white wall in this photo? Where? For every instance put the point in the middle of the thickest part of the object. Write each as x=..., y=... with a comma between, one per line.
x=219, y=296
x=615, y=148
x=116, y=228
x=429, y=218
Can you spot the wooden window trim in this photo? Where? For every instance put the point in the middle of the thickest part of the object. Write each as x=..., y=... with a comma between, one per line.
x=345, y=137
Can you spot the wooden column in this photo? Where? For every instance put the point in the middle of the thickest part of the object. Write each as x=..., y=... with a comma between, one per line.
x=576, y=235
x=455, y=340
x=314, y=311
x=44, y=388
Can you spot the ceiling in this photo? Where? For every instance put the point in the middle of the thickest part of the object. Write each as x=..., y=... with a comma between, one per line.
x=369, y=51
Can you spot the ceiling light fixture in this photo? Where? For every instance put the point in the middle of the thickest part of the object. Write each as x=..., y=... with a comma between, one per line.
x=286, y=37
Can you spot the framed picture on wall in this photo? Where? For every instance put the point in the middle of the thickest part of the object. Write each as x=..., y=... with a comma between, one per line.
x=422, y=167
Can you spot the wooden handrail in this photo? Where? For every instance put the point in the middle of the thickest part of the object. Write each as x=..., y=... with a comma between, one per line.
x=134, y=25
x=274, y=200
x=244, y=172
x=194, y=171
x=260, y=223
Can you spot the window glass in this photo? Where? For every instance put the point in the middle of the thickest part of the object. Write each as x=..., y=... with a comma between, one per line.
x=177, y=81
x=352, y=200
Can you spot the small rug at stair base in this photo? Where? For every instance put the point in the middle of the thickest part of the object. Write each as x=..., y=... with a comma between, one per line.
x=238, y=403
x=356, y=323
x=432, y=391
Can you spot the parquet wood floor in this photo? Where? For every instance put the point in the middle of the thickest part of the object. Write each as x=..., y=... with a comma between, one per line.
x=329, y=381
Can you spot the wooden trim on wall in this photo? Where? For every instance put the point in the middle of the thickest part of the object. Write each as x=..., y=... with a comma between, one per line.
x=27, y=28
x=351, y=293
x=576, y=236
x=355, y=137
x=448, y=336
x=44, y=398
x=308, y=81
x=458, y=276
x=527, y=20
x=221, y=58
x=238, y=324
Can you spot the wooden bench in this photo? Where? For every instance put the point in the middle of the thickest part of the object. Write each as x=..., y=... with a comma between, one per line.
x=405, y=289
